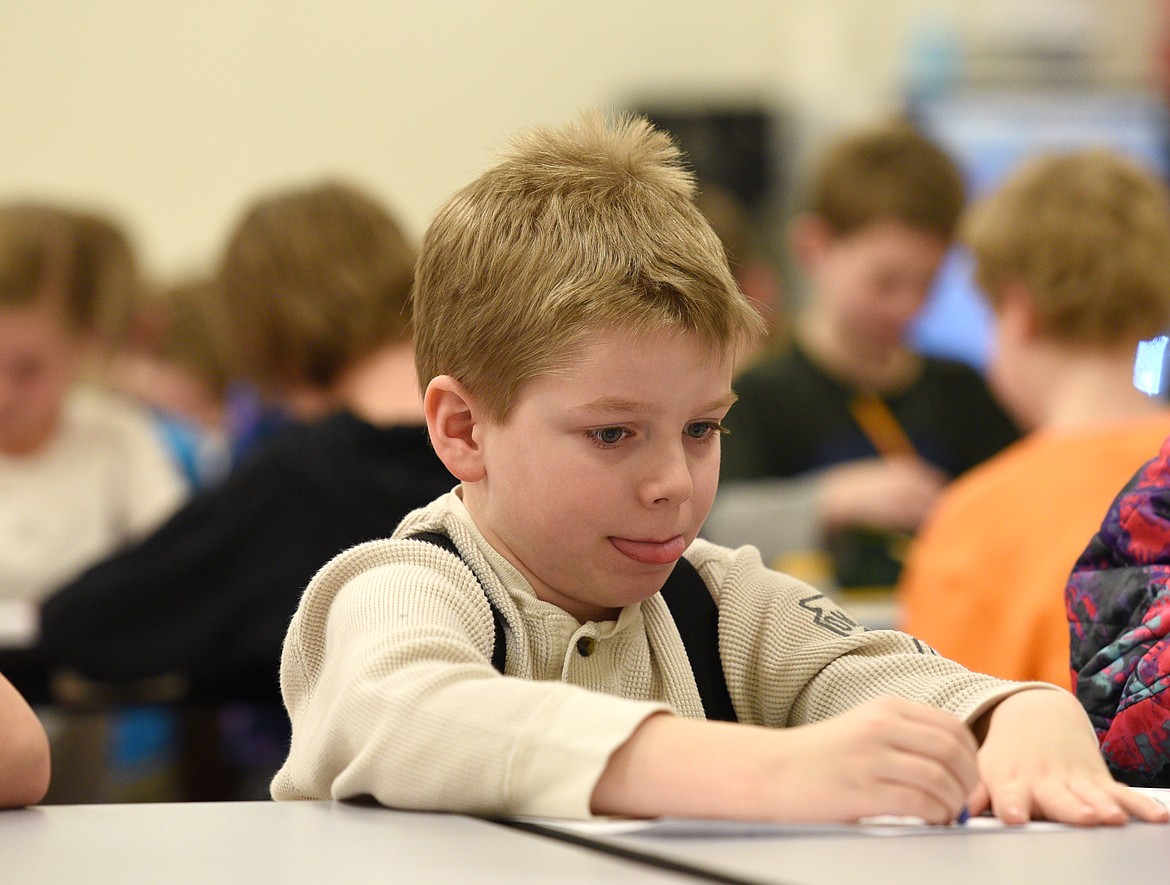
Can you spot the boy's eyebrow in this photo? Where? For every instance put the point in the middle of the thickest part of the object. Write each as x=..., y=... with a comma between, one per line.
x=617, y=405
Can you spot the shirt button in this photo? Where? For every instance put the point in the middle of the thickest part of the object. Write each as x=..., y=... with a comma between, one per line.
x=586, y=645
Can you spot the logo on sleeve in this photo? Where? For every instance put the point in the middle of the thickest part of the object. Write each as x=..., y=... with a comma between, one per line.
x=828, y=617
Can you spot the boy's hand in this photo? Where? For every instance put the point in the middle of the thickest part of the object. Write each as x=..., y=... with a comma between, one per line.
x=1040, y=759
x=888, y=756
x=879, y=493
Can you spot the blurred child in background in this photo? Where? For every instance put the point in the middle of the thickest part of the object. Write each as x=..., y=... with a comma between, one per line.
x=82, y=472
x=754, y=271
x=1073, y=254
x=180, y=360
x=841, y=441
x=314, y=286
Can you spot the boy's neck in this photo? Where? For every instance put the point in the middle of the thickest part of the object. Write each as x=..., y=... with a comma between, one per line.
x=382, y=388
x=1082, y=388
x=876, y=368
x=379, y=388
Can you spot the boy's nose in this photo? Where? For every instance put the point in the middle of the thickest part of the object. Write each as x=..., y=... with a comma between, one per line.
x=669, y=478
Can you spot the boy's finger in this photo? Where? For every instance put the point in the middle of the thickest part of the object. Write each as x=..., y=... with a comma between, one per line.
x=1142, y=807
x=1056, y=800
x=942, y=745
x=929, y=778
x=910, y=800
x=1010, y=802
x=978, y=802
x=1106, y=805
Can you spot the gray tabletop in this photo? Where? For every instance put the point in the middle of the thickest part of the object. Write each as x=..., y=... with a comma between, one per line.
x=1137, y=852
x=287, y=842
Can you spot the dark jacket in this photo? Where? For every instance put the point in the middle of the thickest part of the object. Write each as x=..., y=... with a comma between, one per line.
x=1118, y=601
x=209, y=595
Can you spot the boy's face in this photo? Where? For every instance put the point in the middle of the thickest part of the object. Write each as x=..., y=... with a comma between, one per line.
x=602, y=475
x=38, y=361
x=872, y=282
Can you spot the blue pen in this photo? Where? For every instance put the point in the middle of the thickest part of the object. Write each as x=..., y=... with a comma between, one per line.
x=964, y=816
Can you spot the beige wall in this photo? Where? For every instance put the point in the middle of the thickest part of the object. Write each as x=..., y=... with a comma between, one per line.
x=174, y=113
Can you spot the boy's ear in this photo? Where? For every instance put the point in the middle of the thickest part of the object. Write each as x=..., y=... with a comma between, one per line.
x=809, y=237
x=1017, y=309
x=452, y=419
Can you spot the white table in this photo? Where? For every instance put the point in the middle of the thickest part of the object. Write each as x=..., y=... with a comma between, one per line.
x=286, y=842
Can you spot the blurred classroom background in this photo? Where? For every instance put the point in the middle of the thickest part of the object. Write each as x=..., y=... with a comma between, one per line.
x=172, y=116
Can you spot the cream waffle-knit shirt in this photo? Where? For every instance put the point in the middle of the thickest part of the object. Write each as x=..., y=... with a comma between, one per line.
x=387, y=674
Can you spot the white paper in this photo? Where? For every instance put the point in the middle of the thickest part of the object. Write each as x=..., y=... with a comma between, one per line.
x=677, y=827
x=889, y=825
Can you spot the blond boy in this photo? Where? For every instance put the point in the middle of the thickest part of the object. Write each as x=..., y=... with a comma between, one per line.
x=577, y=329
x=842, y=440
x=1073, y=254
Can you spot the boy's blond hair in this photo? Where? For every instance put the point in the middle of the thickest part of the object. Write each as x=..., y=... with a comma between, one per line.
x=587, y=227
x=81, y=259
x=313, y=280
x=1088, y=235
x=889, y=172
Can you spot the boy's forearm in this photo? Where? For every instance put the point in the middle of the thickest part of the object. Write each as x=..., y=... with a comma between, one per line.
x=672, y=766
x=24, y=751
x=887, y=756
x=981, y=725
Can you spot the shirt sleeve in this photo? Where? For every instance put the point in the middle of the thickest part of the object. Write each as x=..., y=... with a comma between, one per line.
x=387, y=678
x=1118, y=605
x=792, y=656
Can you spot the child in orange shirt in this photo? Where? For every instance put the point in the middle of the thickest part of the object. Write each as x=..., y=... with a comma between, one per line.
x=1073, y=253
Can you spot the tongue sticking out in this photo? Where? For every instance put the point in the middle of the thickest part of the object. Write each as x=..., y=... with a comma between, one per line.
x=652, y=552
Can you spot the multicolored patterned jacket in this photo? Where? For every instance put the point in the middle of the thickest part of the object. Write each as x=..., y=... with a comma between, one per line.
x=1118, y=601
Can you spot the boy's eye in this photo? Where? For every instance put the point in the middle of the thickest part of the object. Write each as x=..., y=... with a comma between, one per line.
x=609, y=436
x=701, y=430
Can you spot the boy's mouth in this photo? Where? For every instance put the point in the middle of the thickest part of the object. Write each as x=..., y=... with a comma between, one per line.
x=651, y=552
